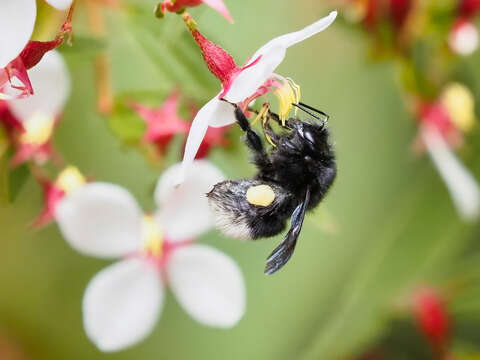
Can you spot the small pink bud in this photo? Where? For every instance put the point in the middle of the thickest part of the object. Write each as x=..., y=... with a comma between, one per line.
x=432, y=318
x=469, y=8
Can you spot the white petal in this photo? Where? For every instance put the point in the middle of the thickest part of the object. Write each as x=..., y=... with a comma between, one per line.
x=122, y=304
x=51, y=86
x=208, y=285
x=215, y=113
x=288, y=40
x=60, y=4
x=17, y=19
x=185, y=213
x=223, y=115
x=100, y=219
x=272, y=54
x=463, y=188
x=249, y=80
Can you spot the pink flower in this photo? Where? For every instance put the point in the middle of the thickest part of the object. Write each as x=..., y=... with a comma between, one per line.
x=123, y=302
x=177, y=5
x=238, y=83
x=163, y=123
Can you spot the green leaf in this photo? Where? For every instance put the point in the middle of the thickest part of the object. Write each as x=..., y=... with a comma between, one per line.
x=126, y=124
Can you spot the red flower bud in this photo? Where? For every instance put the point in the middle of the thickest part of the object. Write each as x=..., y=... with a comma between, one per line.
x=432, y=318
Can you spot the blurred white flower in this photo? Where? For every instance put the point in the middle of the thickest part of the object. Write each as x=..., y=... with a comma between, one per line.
x=463, y=38
x=462, y=186
x=238, y=83
x=122, y=303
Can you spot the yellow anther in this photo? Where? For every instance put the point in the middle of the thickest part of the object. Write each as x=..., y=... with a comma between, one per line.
x=152, y=236
x=261, y=114
x=70, y=179
x=460, y=105
x=289, y=93
x=38, y=129
x=260, y=195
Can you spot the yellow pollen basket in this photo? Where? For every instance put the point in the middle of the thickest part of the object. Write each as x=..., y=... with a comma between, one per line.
x=152, y=236
x=260, y=195
x=70, y=179
x=38, y=129
x=460, y=104
x=289, y=93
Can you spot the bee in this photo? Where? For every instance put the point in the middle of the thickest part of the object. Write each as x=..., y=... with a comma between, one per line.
x=293, y=176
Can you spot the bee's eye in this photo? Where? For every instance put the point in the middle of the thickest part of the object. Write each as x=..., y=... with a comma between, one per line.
x=308, y=135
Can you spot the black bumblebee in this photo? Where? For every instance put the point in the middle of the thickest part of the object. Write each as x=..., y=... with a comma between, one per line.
x=293, y=177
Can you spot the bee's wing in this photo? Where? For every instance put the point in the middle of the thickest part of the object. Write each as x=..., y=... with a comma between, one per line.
x=282, y=253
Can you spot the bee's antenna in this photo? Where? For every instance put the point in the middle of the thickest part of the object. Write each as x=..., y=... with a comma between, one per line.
x=304, y=108
x=231, y=103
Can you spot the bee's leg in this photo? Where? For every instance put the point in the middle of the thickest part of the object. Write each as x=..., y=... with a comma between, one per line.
x=253, y=141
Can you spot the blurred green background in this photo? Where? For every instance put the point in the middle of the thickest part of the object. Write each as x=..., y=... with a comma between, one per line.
x=387, y=226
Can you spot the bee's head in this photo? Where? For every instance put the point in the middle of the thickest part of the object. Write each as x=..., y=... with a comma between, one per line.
x=314, y=140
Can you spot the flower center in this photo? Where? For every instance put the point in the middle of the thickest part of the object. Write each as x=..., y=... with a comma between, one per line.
x=460, y=105
x=70, y=179
x=38, y=129
x=152, y=237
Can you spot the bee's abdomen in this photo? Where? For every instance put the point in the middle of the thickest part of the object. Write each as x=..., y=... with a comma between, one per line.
x=237, y=217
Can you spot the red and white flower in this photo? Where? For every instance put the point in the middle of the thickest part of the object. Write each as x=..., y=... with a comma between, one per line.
x=442, y=126
x=463, y=38
x=239, y=83
x=122, y=303
x=17, y=53
x=40, y=112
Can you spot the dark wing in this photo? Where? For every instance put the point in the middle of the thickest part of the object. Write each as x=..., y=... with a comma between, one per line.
x=283, y=252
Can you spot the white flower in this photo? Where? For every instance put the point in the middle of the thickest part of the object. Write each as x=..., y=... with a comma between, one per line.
x=123, y=302
x=245, y=82
x=463, y=38
x=463, y=187
x=17, y=19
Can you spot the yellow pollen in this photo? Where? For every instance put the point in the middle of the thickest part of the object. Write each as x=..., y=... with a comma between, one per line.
x=289, y=93
x=460, y=105
x=152, y=236
x=260, y=195
x=70, y=179
x=38, y=129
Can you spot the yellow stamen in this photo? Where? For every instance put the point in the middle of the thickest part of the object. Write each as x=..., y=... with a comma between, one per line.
x=460, y=105
x=70, y=179
x=260, y=195
x=289, y=93
x=38, y=129
x=152, y=236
